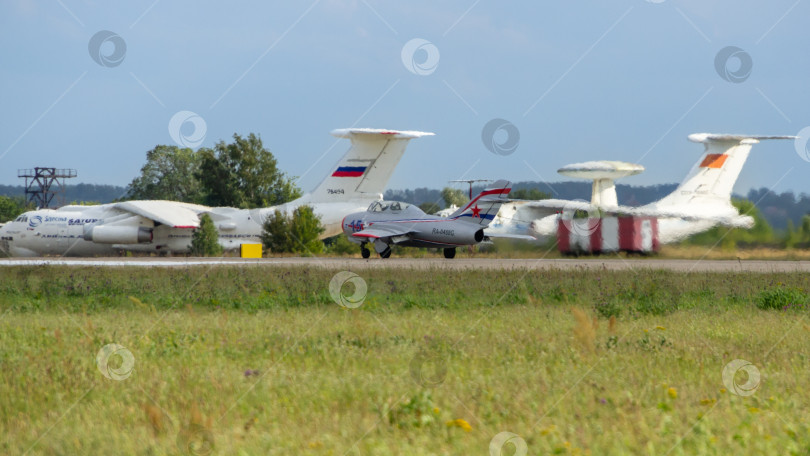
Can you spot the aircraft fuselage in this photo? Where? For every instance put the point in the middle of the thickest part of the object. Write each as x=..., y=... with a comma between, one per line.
x=66, y=231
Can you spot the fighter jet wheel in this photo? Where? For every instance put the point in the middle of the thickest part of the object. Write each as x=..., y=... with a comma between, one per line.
x=386, y=253
x=364, y=252
x=450, y=253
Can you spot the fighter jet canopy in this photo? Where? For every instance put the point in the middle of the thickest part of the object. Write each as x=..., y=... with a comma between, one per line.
x=390, y=206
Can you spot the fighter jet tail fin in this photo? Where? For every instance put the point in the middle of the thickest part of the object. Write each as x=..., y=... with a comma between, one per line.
x=482, y=209
x=363, y=172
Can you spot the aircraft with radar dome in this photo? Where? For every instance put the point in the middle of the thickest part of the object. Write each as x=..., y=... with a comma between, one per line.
x=700, y=202
x=359, y=178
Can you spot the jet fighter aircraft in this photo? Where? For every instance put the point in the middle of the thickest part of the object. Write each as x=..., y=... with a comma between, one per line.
x=388, y=223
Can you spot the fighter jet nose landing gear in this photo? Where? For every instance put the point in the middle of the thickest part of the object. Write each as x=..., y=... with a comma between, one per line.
x=364, y=251
x=450, y=253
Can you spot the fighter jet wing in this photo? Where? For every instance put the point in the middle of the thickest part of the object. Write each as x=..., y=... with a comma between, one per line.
x=381, y=232
x=171, y=213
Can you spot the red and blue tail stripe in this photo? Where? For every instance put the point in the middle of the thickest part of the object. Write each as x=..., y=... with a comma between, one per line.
x=349, y=171
x=479, y=216
x=497, y=191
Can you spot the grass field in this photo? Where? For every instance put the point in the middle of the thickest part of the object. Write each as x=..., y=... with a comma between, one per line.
x=263, y=361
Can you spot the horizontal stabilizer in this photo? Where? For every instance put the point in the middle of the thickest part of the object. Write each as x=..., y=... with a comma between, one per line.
x=396, y=134
x=708, y=137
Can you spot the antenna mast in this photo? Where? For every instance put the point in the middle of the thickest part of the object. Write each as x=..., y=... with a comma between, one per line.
x=471, y=182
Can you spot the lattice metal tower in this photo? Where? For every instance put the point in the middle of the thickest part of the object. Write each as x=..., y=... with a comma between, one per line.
x=38, y=183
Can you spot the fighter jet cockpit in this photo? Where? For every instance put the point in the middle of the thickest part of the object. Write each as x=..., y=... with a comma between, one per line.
x=386, y=206
x=394, y=207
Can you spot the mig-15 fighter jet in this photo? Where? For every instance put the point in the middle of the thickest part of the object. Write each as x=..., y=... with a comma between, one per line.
x=388, y=223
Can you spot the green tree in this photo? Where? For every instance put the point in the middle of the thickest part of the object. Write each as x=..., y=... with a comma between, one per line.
x=798, y=236
x=307, y=229
x=454, y=196
x=205, y=240
x=804, y=230
x=299, y=233
x=430, y=208
x=340, y=245
x=170, y=173
x=11, y=207
x=530, y=194
x=276, y=235
x=243, y=174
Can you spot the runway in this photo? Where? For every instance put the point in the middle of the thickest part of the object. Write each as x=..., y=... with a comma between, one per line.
x=614, y=264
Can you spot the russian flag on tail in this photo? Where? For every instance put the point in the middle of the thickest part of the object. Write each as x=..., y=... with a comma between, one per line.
x=349, y=171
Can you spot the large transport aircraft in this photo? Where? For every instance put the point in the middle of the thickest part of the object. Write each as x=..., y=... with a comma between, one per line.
x=387, y=223
x=359, y=178
x=701, y=201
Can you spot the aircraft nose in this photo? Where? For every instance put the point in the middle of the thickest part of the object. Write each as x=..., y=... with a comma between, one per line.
x=351, y=224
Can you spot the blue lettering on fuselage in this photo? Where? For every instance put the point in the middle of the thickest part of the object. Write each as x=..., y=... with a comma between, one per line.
x=81, y=221
x=356, y=225
x=38, y=220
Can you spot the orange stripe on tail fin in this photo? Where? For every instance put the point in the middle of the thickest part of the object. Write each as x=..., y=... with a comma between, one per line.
x=713, y=161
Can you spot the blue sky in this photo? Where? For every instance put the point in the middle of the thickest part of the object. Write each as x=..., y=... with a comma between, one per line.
x=621, y=80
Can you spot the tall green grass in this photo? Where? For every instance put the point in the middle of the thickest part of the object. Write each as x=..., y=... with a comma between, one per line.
x=262, y=361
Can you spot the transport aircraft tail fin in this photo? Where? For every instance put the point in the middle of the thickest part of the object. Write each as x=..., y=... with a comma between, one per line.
x=363, y=172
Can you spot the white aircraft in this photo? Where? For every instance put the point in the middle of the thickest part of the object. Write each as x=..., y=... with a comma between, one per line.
x=358, y=179
x=701, y=201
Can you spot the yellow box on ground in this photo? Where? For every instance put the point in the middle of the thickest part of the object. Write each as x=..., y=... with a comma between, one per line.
x=251, y=251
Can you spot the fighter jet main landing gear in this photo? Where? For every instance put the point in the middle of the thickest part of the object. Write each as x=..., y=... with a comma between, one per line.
x=450, y=253
x=382, y=248
x=364, y=252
